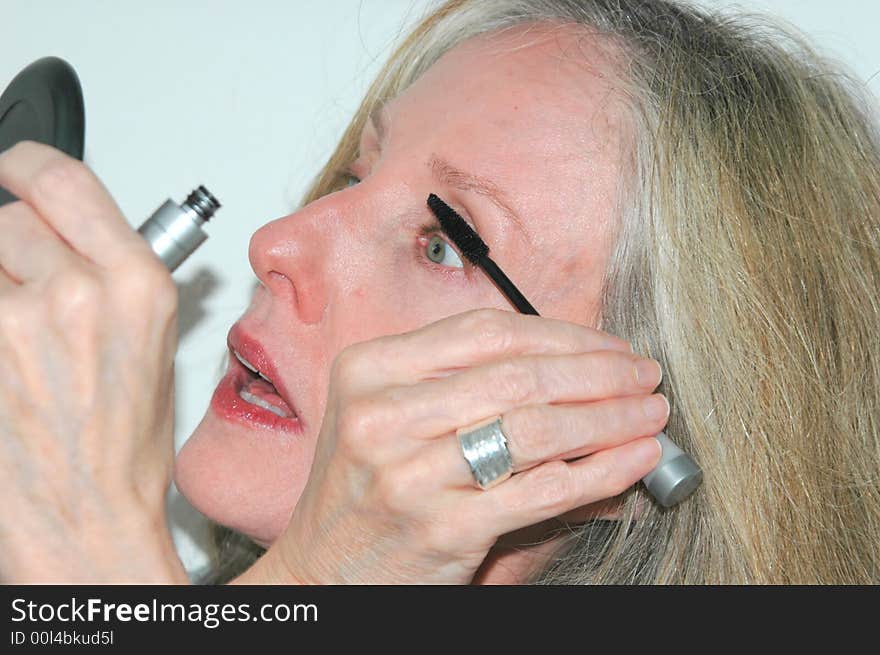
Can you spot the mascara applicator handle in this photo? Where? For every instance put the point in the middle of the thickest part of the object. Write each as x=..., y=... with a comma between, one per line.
x=507, y=287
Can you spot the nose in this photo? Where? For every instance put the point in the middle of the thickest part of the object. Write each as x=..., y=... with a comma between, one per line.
x=289, y=256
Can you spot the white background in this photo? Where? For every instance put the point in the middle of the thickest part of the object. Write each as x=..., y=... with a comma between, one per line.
x=249, y=99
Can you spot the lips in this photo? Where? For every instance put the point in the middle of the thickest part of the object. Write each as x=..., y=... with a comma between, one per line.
x=252, y=392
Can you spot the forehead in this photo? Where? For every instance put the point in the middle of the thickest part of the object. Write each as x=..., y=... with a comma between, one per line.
x=534, y=110
x=555, y=59
x=543, y=80
x=531, y=108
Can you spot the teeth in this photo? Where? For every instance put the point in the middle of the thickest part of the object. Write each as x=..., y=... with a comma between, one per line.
x=250, y=367
x=259, y=402
x=246, y=363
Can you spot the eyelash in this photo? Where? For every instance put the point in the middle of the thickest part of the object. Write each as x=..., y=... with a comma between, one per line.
x=426, y=231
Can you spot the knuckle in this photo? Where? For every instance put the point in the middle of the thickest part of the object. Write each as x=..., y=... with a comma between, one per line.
x=393, y=488
x=515, y=382
x=359, y=425
x=618, y=482
x=347, y=366
x=61, y=175
x=14, y=318
x=149, y=273
x=616, y=418
x=148, y=281
x=73, y=292
x=439, y=536
x=490, y=328
x=553, y=487
x=530, y=433
x=165, y=298
x=375, y=355
x=623, y=367
x=610, y=478
x=26, y=146
x=14, y=212
x=604, y=371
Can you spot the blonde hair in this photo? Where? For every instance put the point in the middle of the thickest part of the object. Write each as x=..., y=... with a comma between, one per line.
x=746, y=262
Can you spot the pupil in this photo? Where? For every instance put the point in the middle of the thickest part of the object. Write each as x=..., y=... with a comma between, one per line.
x=436, y=249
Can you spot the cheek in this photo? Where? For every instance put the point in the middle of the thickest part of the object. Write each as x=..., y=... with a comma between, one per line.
x=390, y=303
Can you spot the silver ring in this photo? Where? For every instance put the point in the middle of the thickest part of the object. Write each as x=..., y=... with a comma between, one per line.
x=484, y=447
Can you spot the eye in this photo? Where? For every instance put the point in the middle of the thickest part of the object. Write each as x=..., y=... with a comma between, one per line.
x=351, y=179
x=442, y=253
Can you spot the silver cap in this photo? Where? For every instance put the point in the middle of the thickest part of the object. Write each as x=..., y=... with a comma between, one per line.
x=675, y=476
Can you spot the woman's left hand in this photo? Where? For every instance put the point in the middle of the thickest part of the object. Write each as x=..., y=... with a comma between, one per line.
x=87, y=340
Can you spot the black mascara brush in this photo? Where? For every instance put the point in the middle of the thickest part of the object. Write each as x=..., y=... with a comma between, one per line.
x=476, y=250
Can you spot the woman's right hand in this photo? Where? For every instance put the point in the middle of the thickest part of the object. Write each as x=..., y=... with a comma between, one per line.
x=391, y=499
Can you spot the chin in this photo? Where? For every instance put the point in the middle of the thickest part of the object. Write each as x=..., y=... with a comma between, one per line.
x=243, y=479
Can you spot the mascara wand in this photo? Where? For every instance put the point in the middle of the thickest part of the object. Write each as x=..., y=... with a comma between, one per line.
x=476, y=250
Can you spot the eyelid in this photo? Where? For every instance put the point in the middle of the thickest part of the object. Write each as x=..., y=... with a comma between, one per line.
x=357, y=165
x=350, y=170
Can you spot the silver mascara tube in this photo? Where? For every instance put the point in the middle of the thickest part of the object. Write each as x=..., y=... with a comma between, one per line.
x=675, y=476
x=175, y=231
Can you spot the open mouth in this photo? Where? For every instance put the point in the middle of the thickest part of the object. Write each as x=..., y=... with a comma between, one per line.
x=257, y=389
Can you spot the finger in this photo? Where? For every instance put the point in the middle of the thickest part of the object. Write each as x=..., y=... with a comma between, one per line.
x=557, y=487
x=434, y=408
x=540, y=433
x=30, y=250
x=473, y=338
x=7, y=283
x=71, y=199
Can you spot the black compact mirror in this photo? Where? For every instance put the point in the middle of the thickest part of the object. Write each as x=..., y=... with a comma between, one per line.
x=43, y=103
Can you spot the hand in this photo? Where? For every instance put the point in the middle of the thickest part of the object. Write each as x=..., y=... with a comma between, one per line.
x=87, y=343
x=390, y=498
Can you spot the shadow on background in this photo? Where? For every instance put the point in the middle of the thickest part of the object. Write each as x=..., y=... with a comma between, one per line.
x=193, y=293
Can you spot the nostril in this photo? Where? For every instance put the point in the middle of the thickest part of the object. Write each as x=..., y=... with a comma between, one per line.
x=284, y=289
x=281, y=285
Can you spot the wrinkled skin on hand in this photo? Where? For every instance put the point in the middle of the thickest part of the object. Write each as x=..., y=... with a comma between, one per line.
x=87, y=343
x=390, y=499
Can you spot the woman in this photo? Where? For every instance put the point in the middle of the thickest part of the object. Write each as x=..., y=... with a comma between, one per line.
x=640, y=170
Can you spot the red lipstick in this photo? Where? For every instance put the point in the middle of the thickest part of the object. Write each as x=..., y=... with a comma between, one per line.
x=255, y=399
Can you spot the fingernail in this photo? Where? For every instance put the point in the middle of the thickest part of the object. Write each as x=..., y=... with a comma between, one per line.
x=648, y=373
x=650, y=451
x=656, y=449
x=656, y=406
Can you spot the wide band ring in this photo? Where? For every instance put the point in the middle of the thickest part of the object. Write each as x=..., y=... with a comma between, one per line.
x=484, y=446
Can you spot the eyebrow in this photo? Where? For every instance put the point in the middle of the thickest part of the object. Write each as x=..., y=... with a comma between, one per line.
x=447, y=174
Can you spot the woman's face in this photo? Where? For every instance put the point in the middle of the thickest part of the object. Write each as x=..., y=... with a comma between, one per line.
x=528, y=113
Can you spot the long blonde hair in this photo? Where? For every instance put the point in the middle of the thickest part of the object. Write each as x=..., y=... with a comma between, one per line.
x=747, y=262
